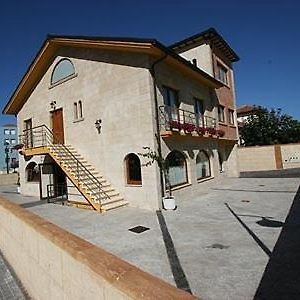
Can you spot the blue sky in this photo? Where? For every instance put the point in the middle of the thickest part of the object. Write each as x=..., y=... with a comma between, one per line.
x=265, y=34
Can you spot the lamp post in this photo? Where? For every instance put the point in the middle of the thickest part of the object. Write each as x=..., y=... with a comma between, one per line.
x=6, y=157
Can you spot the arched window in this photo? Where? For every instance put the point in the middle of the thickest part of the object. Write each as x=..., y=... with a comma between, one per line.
x=32, y=172
x=177, y=168
x=80, y=112
x=63, y=69
x=203, y=165
x=133, y=169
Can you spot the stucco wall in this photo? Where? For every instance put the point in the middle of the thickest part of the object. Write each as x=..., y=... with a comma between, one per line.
x=114, y=87
x=203, y=55
x=55, y=264
x=290, y=156
x=263, y=157
x=256, y=158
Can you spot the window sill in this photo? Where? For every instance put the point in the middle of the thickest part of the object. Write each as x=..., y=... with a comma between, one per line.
x=134, y=185
x=232, y=126
x=222, y=123
x=179, y=187
x=62, y=81
x=78, y=120
x=205, y=179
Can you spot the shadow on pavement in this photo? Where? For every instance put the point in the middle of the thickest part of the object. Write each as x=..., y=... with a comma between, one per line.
x=281, y=278
x=286, y=173
x=32, y=204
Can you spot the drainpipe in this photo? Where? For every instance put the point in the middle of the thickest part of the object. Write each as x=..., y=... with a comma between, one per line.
x=157, y=134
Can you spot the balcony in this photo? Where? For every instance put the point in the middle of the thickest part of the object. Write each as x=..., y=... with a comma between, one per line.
x=173, y=119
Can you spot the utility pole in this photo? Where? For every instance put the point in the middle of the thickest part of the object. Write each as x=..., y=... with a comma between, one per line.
x=7, y=157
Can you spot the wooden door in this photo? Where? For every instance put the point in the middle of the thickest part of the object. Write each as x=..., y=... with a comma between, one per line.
x=58, y=126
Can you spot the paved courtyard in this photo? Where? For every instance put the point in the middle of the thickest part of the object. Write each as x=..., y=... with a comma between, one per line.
x=9, y=287
x=219, y=245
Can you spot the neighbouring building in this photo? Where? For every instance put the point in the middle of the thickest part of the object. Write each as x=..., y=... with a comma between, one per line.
x=87, y=106
x=243, y=113
x=8, y=139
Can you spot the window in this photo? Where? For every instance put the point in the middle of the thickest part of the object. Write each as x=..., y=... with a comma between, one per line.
x=177, y=168
x=63, y=69
x=133, y=169
x=172, y=104
x=6, y=142
x=222, y=73
x=6, y=131
x=12, y=131
x=221, y=114
x=13, y=141
x=231, y=116
x=199, y=111
x=75, y=111
x=203, y=165
x=78, y=112
x=32, y=172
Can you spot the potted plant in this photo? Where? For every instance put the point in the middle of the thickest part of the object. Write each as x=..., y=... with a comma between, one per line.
x=152, y=156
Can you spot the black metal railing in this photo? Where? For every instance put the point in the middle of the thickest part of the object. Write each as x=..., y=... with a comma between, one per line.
x=173, y=117
x=42, y=136
x=57, y=193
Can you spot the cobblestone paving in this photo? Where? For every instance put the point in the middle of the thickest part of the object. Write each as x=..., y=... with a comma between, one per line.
x=9, y=289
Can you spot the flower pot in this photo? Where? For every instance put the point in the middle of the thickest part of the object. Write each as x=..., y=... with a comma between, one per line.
x=169, y=203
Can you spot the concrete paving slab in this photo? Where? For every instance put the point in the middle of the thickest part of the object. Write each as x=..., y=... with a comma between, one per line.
x=222, y=239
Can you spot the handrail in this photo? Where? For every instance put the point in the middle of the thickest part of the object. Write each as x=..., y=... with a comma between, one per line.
x=48, y=138
x=169, y=114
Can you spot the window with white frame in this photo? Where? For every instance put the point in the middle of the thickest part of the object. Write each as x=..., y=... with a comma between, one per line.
x=12, y=131
x=6, y=131
x=203, y=165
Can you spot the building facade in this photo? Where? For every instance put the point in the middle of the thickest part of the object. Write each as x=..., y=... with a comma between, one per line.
x=88, y=106
x=8, y=139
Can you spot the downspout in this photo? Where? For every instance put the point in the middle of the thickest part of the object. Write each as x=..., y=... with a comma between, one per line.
x=157, y=134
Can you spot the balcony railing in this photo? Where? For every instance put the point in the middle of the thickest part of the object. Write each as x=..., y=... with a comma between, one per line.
x=176, y=119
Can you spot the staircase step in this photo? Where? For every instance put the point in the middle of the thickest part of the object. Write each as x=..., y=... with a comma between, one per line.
x=113, y=205
x=89, y=178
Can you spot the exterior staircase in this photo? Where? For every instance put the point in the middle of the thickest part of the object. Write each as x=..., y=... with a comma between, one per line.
x=92, y=185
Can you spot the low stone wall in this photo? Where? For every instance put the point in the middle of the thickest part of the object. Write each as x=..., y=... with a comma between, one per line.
x=55, y=264
x=8, y=179
x=273, y=157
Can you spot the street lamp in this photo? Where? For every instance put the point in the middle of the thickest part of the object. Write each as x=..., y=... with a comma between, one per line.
x=6, y=157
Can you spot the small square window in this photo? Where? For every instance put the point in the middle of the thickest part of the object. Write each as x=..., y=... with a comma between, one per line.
x=12, y=131
x=13, y=141
x=221, y=114
x=6, y=142
x=6, y=131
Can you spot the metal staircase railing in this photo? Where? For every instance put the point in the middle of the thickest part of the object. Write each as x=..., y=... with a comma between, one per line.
x=42, y=136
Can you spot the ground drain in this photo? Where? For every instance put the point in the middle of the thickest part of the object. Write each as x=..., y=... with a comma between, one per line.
x=138, y=229
x=218, y=246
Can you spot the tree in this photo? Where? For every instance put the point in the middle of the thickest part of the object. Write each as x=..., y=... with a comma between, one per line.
x=162, y=163
x=268, y=127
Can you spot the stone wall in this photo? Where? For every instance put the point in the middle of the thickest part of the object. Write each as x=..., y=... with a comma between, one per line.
x=8, y=179
x=55, y=264
x=273, y=157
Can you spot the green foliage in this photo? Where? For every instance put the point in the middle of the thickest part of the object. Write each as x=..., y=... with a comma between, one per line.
x=268, y=127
